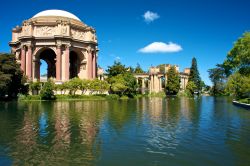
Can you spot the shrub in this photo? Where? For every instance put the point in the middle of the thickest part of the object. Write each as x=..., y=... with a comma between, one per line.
x=47, y=92
x=112, y=97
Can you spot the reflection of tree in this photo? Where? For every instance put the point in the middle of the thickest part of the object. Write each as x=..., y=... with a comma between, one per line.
x=120, y=113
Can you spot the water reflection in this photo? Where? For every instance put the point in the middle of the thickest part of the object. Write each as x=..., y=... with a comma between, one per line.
x=146, y=131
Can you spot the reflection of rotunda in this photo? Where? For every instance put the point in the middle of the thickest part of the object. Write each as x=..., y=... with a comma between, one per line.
x=62, y=40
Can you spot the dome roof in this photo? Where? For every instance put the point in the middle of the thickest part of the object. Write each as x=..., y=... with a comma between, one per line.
x=61, y=13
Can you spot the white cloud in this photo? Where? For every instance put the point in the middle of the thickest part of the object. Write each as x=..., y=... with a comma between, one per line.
x=150, y=16
x=160, y=47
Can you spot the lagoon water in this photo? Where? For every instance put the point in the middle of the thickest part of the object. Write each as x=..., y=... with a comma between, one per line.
x=142, y=132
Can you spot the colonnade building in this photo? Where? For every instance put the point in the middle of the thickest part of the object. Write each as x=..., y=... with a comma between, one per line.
x=62, y=40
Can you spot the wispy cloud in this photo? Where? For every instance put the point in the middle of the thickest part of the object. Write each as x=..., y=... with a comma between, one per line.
x=150, y=16
x=160, y=47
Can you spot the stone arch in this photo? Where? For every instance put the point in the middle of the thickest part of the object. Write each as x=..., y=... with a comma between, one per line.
x=76, y=63
x=47, y=54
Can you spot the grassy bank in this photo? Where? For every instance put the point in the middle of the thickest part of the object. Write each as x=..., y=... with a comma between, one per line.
x=245, y=100
x=74, y=97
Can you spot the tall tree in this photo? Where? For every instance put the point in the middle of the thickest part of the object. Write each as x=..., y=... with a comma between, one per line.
x=218, y=78
x=138, y=69
x=116, y=68
x=194, y=75
x=238, y=59
x=238, y=85
x=173, y=81
x=12, y=81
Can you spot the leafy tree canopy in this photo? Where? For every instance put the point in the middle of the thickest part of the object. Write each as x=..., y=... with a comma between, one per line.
x=173, y=81
x=218, y=78
x=116, y=68
x=138, y=69
x=12, y=81
x=191, y=88
x=238, y=59
x=238, y=85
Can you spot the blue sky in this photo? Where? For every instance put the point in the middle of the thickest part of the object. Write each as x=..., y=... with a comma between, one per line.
x=205, y=29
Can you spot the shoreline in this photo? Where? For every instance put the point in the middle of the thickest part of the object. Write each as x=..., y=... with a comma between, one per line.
x=243, y=105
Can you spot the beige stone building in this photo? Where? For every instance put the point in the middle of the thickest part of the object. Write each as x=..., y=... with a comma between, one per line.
x=154, y=81
x=62, y=40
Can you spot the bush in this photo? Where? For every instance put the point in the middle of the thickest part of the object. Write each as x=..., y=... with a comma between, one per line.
x=112, y=97
x=124, y=97
x=47, y=92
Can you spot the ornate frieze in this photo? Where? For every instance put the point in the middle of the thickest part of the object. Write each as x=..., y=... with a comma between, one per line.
x=77, y=34
x=45, y=31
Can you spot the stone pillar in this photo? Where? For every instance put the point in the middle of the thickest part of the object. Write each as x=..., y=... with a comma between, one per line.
x=90, y=67
x=160, y=84
x=36, y=69
x=94, y=65
x=66, y=62
x=23, y=59
x=29, y=65
x=58, y=63
x=143, y=83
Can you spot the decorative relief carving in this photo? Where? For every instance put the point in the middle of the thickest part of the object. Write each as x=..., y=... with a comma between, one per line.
x=26, y=30
x=64, y=30
x=45, y=31
x=76, y=34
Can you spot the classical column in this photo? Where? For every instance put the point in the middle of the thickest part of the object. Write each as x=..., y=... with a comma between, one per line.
x=160, y=84
x=58, y=63
x=29, y=63
x=23, y=59
x=94, y=65
x=143, y=83
x=66, y=62
x=90, y=67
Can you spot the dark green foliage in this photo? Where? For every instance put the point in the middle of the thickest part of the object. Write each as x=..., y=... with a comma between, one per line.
x=116, y=68
x=123, y=84
x=218, y=78
x=12, y=81
x=195, y=76
x=173, y=81
x=238, y=85
x=121, y=80
x=238, y=59
x=47, y=92
x=138, y=69
x=190, y=88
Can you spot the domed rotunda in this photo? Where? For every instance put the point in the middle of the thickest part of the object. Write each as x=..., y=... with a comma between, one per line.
x=62, y=40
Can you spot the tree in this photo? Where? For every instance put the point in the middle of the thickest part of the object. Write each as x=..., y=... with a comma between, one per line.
x=118, y=84
x=194, y=75
x=12, y=80
x=98, y=86
x=173, y=81
x=84, y=86
x=138, y=69
x=124, y=84
x=218, y=78
x=191, y=88
x=238, y=85
x=116, y=68
x=47, y=92
x=60, y=87
x=74, y=84
x=238, y=59
x=35, y=87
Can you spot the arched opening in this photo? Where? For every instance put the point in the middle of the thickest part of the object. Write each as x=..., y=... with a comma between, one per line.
x=73, y=64
x=43, y=70
x=47, y=65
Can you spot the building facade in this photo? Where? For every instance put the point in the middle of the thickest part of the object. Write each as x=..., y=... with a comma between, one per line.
x=62, y=40
x=155, y=80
